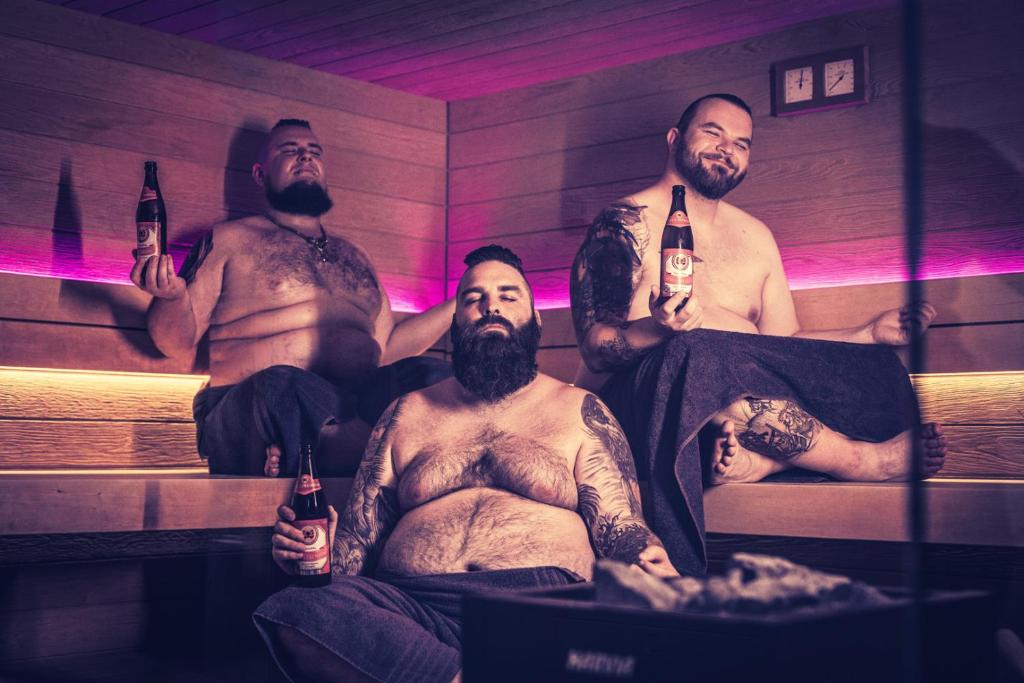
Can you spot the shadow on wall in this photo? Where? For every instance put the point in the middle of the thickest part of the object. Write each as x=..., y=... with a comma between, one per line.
x=66, y=236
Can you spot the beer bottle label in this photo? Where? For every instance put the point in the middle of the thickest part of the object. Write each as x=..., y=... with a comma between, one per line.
x=148, y=194
x=307, y=485
x=147, y=238
x=317, y=554
x=678, y=219
x=676, y=271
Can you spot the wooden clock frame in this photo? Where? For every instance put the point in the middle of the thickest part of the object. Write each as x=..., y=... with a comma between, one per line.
x=819, y=101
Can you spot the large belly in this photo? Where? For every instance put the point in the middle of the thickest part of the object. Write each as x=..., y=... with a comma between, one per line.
x=333, y=341
x=480, y=529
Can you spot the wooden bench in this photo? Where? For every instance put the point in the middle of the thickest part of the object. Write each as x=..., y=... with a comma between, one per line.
x=100, y=468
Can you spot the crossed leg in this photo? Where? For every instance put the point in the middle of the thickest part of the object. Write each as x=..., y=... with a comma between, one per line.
x=757, y=437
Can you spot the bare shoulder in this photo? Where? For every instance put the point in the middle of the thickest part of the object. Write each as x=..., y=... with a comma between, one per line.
x=748, y=227
x=240, y=230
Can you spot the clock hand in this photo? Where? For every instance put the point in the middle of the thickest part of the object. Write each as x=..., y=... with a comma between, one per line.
x=841, y=76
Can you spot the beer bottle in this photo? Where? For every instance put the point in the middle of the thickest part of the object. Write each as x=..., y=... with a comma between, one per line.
x=150, y=218
x=310, y=506
x=677, y=250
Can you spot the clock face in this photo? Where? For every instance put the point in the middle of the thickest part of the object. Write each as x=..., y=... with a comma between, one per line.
x=799, y=84
x=839, y=78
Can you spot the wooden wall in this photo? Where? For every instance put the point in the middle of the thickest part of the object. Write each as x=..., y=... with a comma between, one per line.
x=87, y=99
x=530, y=167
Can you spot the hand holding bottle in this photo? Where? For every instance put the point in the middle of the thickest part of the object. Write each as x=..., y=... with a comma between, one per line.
x=288, y=544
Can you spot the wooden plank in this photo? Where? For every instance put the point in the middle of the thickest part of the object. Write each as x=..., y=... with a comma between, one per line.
x=33, y=110
x=958, y=300
x=121, y=503
x=560, y=363
x=100, y=36
x=653, y=113
x=103, y=249
x=421, y=37
x=95, y=583
x=37, y=394
x=205, y=14
x=947, y=254
x=50, y=299
x=975, y=348
x=985, y=452
x=597, y=50
x=30, y=63
x=963, y=512
x=481, y=33
x=85, y=168
x=50, y=444
x=636, y=157
x=702, y=70
x=55, y=632
x=979, y=399
x=45, y=345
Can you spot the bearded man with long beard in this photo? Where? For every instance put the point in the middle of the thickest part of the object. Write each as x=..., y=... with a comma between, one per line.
x=739, y=286
x=498, y=478
x=301, y=332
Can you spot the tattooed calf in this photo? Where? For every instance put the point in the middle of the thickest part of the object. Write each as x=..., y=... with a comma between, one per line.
x=780, y=430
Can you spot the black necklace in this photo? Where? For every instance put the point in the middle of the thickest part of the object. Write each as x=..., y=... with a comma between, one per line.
x=320, y=244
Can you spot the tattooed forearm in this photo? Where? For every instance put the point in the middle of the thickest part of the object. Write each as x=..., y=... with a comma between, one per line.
x=622, y=540
x=196, y=255
x=780, y=430
x=372, y=509
x=606, y=273
x=609, y=498
x=609, y=467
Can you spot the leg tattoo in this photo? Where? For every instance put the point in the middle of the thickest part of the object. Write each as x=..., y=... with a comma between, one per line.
x=780, y=430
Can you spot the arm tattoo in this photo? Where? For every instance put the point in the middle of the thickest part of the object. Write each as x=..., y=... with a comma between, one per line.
x=372, y=509
x=196, y=255
x=609, y=499
x=780, y=430
x=605, y=276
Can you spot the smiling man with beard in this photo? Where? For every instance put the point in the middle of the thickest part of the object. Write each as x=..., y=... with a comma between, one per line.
x=498, y=478
x=739, y=286
x=300, y=328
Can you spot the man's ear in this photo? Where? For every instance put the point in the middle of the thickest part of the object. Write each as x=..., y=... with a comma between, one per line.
x=257, y=174
x=536, y=316
x=672, y=137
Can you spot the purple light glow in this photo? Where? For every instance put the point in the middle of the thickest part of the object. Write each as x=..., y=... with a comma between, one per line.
x=949, y=254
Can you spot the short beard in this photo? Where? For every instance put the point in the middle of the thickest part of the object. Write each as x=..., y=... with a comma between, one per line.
x=493, y=366
x=301, y=199
x=707, y=183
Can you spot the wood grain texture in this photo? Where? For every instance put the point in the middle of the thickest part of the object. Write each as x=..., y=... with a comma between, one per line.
x=81, y=170
x=56, y=632
x=986, y=452
x=970, y=399
x=30, y=63
x=969, y=513
x=69, y=395
x=100, y=36
x=52, y=445
x=119, y=503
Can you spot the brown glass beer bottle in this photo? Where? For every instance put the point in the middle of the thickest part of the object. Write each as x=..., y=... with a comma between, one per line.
x=677, y=250
x=150, y=218
x=310, y=506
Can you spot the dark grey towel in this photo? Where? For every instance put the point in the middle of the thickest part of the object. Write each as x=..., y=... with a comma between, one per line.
x=859, y=390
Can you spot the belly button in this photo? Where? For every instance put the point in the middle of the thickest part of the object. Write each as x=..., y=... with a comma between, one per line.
x=473, y=567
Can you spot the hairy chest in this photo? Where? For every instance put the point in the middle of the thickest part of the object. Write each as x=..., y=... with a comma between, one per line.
x=282, y=263
x=536, y=467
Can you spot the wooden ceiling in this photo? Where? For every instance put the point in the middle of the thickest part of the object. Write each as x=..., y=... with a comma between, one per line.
x=459, y=49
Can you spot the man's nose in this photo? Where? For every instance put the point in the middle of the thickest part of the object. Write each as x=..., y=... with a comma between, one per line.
x=725, y=147
x=305, y=154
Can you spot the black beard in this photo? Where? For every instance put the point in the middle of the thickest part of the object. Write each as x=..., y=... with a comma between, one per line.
x=705, y=182
x=491, y=365
x=301, y=199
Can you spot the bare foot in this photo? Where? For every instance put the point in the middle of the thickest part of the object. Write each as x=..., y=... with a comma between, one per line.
x=890, y=460
x=272, y=467
x=731, y=463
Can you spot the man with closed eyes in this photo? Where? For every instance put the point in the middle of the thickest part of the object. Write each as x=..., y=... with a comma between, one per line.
x=500, y=477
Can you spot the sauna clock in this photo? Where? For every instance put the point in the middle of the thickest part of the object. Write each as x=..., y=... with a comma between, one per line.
x=827, y=80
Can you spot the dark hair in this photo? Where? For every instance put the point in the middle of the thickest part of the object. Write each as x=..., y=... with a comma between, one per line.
x=691, y=111
x=494, y=252
x=298, y=123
